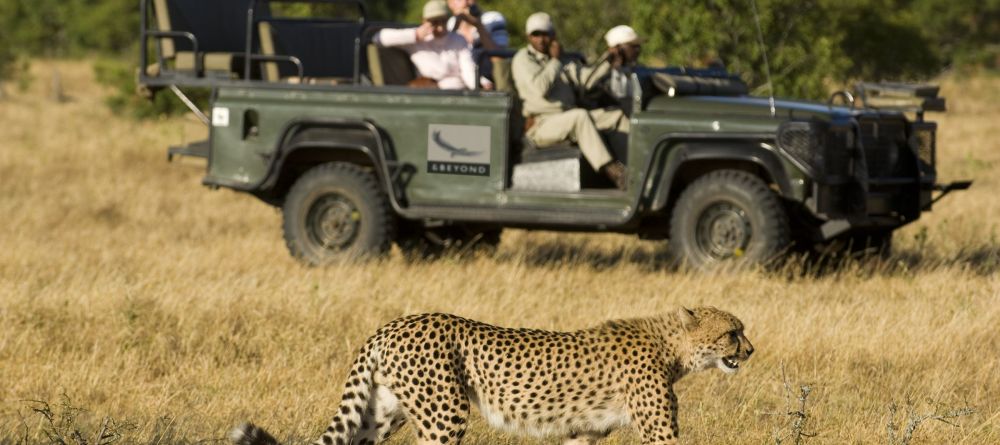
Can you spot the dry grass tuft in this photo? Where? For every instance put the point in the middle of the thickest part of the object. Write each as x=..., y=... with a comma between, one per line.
x=153, y=302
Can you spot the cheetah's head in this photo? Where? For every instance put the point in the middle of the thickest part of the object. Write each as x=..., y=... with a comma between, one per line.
x=716, y=339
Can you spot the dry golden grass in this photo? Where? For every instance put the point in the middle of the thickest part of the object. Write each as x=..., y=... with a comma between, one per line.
x=176, y=312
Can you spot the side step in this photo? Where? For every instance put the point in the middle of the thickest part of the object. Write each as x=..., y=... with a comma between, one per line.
x=195, y=149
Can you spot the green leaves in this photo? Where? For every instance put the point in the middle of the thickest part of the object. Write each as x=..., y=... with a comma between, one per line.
x=814, y=46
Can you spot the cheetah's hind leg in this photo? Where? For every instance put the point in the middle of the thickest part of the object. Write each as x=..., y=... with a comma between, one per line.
x=382, y=418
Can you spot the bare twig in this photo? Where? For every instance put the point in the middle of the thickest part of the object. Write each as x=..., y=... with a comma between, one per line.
x=897, y=434
x=61, y=424
x=797, y=410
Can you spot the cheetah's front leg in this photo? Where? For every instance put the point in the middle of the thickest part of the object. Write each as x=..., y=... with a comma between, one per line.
x=439, y=413
x=653, y=407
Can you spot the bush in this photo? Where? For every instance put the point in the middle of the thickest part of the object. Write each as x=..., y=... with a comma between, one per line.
x=813, y=45
x=125, y=99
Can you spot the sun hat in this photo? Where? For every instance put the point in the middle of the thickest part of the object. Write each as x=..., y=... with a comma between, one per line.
x=436, y=8
x=539, y=21
x=621, y=35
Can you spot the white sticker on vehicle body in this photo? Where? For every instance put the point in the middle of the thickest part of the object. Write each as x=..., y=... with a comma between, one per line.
x=458, y=149
x=220, y=117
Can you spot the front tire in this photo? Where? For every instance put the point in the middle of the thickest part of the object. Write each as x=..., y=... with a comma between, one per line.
x=727, y=217
x=336, y=212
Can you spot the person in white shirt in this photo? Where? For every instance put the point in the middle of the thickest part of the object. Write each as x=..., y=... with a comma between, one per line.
x=439, y=55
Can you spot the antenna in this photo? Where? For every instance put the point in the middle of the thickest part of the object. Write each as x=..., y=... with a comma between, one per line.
x=763, y=49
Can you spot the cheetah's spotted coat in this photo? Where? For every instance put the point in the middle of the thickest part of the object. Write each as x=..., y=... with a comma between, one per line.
x=431, y=369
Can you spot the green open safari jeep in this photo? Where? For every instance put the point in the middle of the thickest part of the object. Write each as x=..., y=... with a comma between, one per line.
x=309, y=116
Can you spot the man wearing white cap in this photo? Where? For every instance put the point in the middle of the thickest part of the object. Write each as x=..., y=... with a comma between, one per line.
x=548, y=89
x=611, y=72
x=439, y=55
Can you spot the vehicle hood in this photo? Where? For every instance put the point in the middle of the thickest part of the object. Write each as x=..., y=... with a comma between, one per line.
x=748, y=107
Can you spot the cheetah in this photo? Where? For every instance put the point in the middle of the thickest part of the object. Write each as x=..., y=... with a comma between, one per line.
x=431, y=369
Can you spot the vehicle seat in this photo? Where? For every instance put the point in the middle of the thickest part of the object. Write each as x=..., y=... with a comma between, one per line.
x=387, y=66
x=326, y=49
x=219, y=28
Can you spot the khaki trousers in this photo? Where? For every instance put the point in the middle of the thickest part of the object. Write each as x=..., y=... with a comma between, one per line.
x=582, y=127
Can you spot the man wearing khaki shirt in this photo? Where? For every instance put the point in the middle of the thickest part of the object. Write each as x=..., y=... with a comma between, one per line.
x=548, y=89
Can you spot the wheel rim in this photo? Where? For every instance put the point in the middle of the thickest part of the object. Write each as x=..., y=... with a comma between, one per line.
x=723, y=231
x=333, y=222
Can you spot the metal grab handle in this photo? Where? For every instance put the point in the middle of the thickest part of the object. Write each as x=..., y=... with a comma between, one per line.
x=184, y=34
x=281, y=58
x=848, y=97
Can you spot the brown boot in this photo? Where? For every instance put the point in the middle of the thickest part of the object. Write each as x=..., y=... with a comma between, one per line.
x=615, y=171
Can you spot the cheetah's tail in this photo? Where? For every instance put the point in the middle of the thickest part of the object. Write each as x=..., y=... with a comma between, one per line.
x=250, y=434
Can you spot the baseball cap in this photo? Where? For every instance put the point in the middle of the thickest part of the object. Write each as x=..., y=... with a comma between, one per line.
x=621, y=35
x=539, y=21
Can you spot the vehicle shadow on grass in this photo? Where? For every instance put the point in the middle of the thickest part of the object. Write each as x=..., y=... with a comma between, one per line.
x=560, y=254
x=979, y=260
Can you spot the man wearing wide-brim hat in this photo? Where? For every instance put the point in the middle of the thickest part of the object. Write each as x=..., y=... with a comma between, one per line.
x=548, y=87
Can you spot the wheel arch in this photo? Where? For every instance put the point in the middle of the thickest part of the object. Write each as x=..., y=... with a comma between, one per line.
x=307, y=143
x=687, y=160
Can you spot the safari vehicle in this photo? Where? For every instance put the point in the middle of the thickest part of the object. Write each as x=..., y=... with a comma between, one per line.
x=357, y=161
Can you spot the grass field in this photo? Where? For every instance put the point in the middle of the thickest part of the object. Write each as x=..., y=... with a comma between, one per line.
x=134, y=301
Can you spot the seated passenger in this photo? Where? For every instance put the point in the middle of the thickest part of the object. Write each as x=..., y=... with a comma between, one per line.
x=482, y=30
x=439, y=55
x=609, y=78
x=548, y=88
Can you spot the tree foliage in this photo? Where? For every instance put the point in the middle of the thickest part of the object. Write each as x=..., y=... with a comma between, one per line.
x=812, y=45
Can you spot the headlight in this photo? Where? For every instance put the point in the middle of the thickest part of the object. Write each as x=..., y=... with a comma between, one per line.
x=922, y=140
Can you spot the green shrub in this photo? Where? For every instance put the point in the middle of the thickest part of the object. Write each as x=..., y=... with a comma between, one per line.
x=126, y=99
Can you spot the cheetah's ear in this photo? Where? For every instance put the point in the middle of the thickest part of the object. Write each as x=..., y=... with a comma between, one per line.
x=687, y=318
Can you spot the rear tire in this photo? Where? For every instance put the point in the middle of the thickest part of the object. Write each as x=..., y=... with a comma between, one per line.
x=727, y=218
x=336, y=212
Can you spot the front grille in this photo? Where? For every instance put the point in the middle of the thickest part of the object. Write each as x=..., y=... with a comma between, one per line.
x=883, y=142
x=801, y=141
